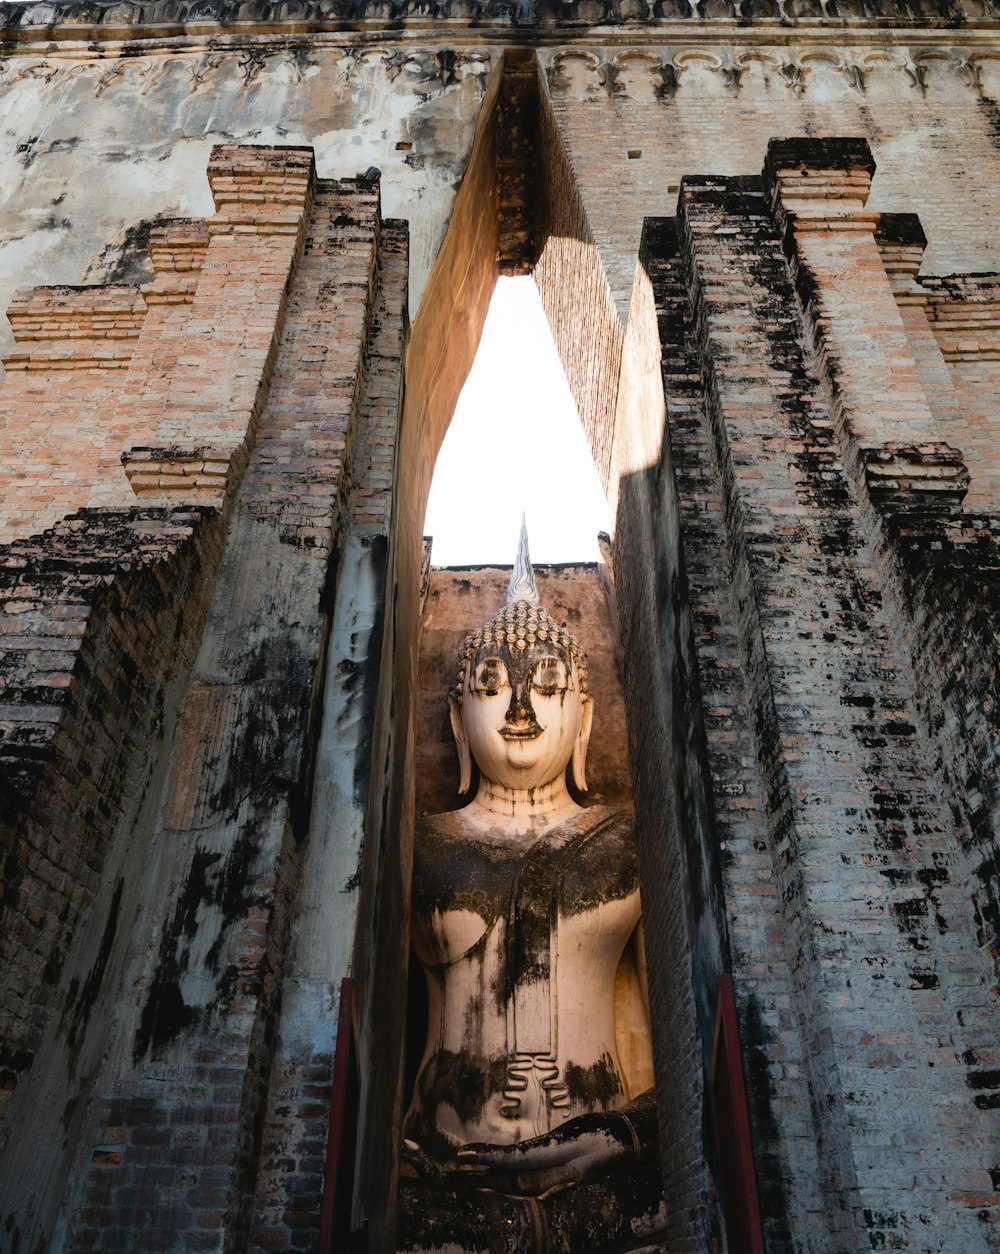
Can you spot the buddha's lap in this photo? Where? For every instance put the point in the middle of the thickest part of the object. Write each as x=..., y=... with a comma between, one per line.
x=612, y=1215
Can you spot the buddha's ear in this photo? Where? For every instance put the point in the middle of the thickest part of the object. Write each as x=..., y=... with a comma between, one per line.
x=461, y=744
x=582, y=741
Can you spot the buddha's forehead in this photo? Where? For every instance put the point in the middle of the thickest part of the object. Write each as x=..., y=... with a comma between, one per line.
x=520, y=661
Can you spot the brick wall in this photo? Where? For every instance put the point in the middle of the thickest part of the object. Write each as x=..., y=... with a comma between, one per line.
x=576, y=295
x=936, y=560
x=108, y=375
x=797, y=430
x=95, y=614
x=333, y=932
x=101, y=618
x=273, y=342
x=637, y=119
x=675, y=826
x=73, y=346
x=238, y=802
x=833, y=740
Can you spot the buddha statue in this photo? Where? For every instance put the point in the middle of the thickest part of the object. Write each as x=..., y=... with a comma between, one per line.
x=532, y=1125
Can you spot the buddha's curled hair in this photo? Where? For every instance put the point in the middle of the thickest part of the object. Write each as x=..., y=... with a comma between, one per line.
x=519, y=624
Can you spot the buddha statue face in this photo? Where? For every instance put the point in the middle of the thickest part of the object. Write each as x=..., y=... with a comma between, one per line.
x=523, y=713
x=521, y=707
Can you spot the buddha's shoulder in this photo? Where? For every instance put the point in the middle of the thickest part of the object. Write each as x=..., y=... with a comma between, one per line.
x=590, y=828
x=603, y=819
x=450, y=838
x=603, y=864
x=449, y=827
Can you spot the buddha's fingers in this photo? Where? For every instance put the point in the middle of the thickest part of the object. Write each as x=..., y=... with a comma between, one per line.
x=538, y=1183
x=525, y=1183
x=528, y=1156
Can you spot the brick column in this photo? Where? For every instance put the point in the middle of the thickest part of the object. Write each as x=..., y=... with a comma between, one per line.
x=936, y=559
x=717, y=905
x=819, y=191
x=352, y=906
x=169, y=381
x=222, y=894
x=74, y=345
x=177, y=249
x=199, y=379
x=875, y=927
x=901, y=243
x=963, y=316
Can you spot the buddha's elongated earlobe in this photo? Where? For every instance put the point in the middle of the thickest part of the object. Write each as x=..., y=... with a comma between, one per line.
x=582, y=742
x=462, y=745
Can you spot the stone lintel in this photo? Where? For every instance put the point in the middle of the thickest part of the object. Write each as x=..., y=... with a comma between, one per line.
x=821, y=184
x=926, y=478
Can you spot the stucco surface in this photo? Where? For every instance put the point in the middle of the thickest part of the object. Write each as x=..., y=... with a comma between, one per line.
x=95, y=139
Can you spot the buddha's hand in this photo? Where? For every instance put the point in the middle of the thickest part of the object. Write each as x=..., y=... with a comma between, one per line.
x=415, y=1163
x=582, y=1148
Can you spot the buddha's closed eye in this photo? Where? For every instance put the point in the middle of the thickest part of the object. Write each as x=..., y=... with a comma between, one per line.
x=490, y=677
x=550, y=676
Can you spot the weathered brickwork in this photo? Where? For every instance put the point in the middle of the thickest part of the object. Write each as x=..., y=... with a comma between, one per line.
x=954, y=320
x=73, y=345
x=106, y=376
x=938, y=572
x=241, y=786
x=214, y=462
x=100, y=617
x=571, y=280
x=713, y=109
x=674, y=820
x=289, y=521
x=857, y=859
x=289, y=1183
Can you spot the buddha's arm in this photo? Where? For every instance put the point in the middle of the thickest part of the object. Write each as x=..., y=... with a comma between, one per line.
x=632, y=1034
x=589, y=1145
x=639, y=950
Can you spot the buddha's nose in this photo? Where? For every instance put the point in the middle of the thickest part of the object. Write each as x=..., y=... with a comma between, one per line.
x=519, y=710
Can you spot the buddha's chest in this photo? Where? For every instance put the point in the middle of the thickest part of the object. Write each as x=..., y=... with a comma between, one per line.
x=473, y=895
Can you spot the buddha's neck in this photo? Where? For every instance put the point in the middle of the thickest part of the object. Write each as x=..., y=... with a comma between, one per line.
x=524, y=804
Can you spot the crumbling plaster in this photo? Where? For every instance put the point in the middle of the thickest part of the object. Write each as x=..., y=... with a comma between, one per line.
x=92, y=146
x=96, y=137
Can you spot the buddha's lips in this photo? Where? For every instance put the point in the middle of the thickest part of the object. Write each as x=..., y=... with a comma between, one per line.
x=531, y=732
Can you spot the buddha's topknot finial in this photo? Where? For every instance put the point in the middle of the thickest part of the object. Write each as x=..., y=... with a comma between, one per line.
x=522, y=578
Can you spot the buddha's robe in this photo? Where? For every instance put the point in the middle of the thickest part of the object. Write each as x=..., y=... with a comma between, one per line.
x=520, y=938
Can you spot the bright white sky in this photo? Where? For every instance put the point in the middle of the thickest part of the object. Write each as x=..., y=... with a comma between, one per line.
x=515, y=444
